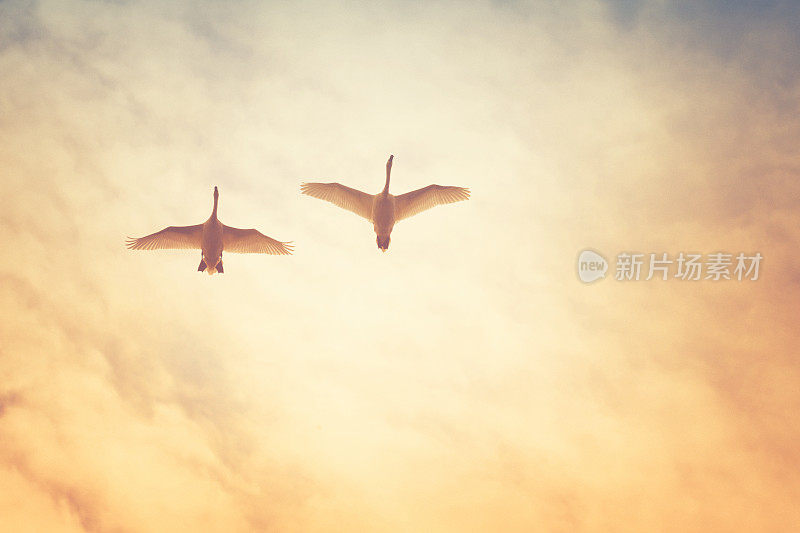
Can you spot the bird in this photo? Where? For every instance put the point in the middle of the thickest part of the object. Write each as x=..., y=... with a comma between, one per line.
x=384, y=210
x=212, y=237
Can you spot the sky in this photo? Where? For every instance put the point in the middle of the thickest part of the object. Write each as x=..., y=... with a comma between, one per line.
x=466, y=380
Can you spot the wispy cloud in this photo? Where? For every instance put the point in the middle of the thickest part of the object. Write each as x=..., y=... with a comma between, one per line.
x=463, y=381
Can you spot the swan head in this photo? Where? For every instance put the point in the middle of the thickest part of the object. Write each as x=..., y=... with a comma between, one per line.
x=383, y=242
x=216, y=192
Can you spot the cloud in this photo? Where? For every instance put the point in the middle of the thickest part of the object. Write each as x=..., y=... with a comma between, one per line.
x=465, y=380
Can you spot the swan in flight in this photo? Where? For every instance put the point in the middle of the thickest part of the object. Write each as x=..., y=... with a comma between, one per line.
x=211, y=238
x=384, y=209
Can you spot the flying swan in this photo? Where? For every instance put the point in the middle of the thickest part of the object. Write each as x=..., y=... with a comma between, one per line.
x=211, y=238
x=384, y=209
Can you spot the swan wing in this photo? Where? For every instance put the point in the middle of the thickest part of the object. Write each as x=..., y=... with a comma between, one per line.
x=252, y=241
x=171, y=238
x=353, y=200
x=411, y=203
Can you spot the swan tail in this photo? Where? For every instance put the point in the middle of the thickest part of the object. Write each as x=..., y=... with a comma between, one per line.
x=383, y=242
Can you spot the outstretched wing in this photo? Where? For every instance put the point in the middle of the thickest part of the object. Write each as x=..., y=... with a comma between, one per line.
x=411, y=203
x=171, y=238
x=353, y=200
x=252, y=241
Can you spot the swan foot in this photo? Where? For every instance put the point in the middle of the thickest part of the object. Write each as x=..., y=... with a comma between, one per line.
x=202, y=266
x=219, y=268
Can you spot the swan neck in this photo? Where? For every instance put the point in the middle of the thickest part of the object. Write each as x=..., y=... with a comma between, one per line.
x=388, y=175
x=216, y=201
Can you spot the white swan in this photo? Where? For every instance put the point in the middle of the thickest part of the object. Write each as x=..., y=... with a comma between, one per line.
x=384, y=209
x=211, y=237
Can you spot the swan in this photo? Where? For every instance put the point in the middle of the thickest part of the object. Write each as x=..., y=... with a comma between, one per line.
x=384, y=209
x=211, y=238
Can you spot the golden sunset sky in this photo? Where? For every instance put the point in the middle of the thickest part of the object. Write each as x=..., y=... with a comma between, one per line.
x=465, y=380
